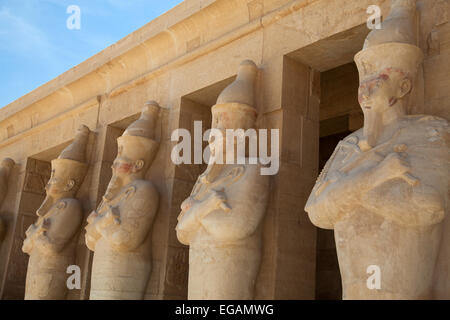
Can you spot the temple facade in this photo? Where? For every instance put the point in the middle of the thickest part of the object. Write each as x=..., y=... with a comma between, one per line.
x=299, y=77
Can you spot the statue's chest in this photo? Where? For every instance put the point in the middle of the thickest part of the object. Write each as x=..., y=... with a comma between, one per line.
x=131, y=202
x=230, y=181
x=54, y=217
x=349, y=157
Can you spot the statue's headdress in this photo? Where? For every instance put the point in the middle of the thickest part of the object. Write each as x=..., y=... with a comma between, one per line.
x=394, y=46
x=138, y=141
x=235, y=105
x=71, y=163
x=7, y=163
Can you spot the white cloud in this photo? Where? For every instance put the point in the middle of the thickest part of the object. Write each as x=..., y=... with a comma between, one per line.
x=22, y=38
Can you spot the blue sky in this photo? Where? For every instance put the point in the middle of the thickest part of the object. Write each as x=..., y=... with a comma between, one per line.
x=36, y=45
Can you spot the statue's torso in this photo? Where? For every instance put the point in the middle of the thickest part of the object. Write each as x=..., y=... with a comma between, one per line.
x=244, y=188
x=225, y=251
x=123, y=273
x=47, y=266
x=405, y=250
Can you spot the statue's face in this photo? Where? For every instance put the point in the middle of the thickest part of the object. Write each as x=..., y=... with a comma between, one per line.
x=383, y=91
x=122, y=167
x=58, y=184
x=122, y=170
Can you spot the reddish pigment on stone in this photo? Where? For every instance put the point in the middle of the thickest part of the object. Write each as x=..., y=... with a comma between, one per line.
x=124, y=167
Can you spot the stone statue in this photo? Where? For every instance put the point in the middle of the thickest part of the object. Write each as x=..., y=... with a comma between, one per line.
x=5, y=169
x=52, y=240
x=119, y=231
x=385, y=189
x=221, y=220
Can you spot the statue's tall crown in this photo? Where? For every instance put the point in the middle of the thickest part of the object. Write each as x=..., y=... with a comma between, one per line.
x=7, y=163
x=71, y=163
x=146, y=124
x=394, y=46
x=76, y=151
x=138, y=140
x=235, y=105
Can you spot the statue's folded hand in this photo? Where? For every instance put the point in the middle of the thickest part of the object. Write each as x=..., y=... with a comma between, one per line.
x=394, y=166
x=92, y=217
x=27, y=246
x=113, y=215
x=92, y=235
x=46, y=224
x=217, y=200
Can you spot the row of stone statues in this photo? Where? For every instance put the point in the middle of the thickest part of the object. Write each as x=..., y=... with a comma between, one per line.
x=384, y=192
x=220, y=220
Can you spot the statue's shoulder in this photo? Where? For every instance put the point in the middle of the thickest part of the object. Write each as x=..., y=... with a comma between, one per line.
x=141, y=200
x=352, y=141
x=253, y=170
x=69, y=204
x=425, y=122
x=143, y=187
x=426, y=128
x=355, y=136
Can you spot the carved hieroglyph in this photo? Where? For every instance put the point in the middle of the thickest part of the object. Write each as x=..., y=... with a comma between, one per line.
x=51, y=241
x=385, y=189
x=119, y=231
x=5, y=169
x=221, y=220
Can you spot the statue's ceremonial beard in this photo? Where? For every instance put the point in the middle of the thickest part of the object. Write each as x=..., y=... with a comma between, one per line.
x=114, y=187
x=49, y=201
x=372, y=127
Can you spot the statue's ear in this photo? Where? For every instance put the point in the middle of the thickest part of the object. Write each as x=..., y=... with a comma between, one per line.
x=404, y=88
x=138, y=165
x=69, y=186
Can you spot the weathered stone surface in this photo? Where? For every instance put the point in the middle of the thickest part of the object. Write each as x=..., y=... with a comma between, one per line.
x=384, y=191
x=51, y=241
x=221, y=220
x=119, y=230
